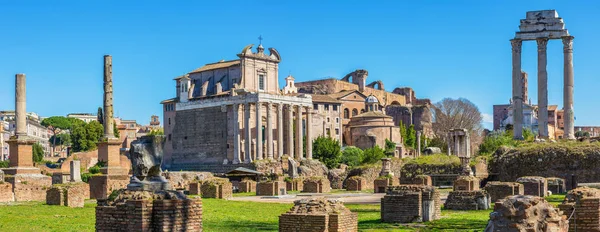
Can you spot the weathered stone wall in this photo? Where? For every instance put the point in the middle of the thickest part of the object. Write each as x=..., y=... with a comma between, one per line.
x=269, y=188
x=295, y=184
x=247, y=186
x=468, y=200
x=181, y=180
x=148, y=215
x=500, y=190
x=216, y=188
x=371, y=172
x=556, y=185
x=356, y=183
x=411, y=203
x=6, y=192
x=29, y=187
x=417, y=180
x=316, y=185
x=318, y=215
x=380, y=185
x=194, y=188
x=466, y=183
x=60, y=178
x=71, y=195
x=534, y=185
x=526, y=213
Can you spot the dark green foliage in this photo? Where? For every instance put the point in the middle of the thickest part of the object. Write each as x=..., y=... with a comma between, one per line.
x=411, y=137
x=374, y=154
x=390, y=147
x=402, y=130
x=582, y=134
x=115, y=131
x=4, y=164
x=85, y=136
x=100, y=116
x=85, y=177
x=61, y=139
x=56, y=124
x=352, y=156
x=328, y=151
x=438, y=142
x=38, y=152
x=424, y=141
x=495, y=140
x=156, y=132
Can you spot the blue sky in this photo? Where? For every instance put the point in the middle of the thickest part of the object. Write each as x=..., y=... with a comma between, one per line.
x=439, y=48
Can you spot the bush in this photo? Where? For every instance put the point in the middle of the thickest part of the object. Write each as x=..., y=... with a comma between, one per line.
x=328, y=151
x=352, y=156
x=38, y=153
x=438, y=142
x=495, y=140
x=85, y=177
x=390, y=147
x=4, y=164
x=372, y=155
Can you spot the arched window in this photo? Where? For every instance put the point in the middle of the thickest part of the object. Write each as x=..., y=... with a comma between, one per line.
x=346, y=113
x=354, y=112
x=362, y=111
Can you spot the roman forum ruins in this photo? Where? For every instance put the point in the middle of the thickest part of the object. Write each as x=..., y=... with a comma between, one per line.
x=542, y=26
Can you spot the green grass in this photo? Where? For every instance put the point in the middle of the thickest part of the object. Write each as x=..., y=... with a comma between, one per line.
x=222, y=215
x=555, y=199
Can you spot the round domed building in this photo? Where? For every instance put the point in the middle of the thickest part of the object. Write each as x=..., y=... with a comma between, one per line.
x=372, y=127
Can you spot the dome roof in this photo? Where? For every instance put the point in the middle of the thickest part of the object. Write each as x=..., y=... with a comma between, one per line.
x=371, y=99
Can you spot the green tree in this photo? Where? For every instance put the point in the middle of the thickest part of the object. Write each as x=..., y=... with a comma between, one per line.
x=424, y=141
x=390, y=147
x=328, y=151
x=372, y=155
x=56, y=124
x=116, y=131
x=85, y=136
x=402, y=130
x=438, y=142
x=62, y=139
x=352, y=156
x=411, y=137
x=156, y=132
x=494, y=140
x=38, y=152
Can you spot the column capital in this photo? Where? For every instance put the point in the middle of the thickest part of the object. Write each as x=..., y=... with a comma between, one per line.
x=542, y=43
x=567, y=43
x=516, y=45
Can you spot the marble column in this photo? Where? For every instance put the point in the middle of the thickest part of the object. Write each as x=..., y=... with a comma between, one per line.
x=20, y=106
x=236, y=134
x=569, y=115
x=418, y=143
x=259, y=135
x=449, y=151
x=290, y=125
x=108, y=98
x=517, y=89
x=309, y=132
x=457, y=145
x=542, y=88
x=299, y=134
x=269, y=128
x=248, y=135
x=279, y=131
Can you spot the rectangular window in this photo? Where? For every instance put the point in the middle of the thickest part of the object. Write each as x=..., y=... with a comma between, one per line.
x=335, y=107
x=261, y=82
x=316, y=106
x=337, y=131
x=337, y=120
x=326, y=106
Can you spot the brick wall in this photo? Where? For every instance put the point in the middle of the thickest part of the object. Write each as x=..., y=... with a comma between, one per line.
x=71, y=195
x=318, y=215
x=296, y=184
x=586, y=216
x=316, y=185
x=499, y=190
x=6, y=192
x=380, y=185
x=181, y=180
x=356, y=183
x=148, y=215
x=417, y=180
x=101, y=186
x=534, y=185
x=410, y=203
x=247, y=186
x=216, y=190
x=466, y=183
x=468, y=200
x=29, y=187
x=269, y=188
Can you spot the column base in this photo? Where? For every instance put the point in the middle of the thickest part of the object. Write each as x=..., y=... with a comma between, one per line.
x=114, y=171
x=21, y=152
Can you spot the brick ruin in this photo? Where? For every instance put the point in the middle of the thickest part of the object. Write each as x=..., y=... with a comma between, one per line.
x=71, y=194
x=247, y=186
x=466, y=183
x=534, y=185
x=556, y=185
x=526, y=213
x=411, y=203
x=499, y=190
x=147, y=211
x=270, y=188
x=468, y=200
x=29, y=187
x=212, y=188
x=316, y=185
x=102, y=186
x=295, y=184
x=6, y=193
x=380, y=184
x=356, y=183
x=182, y=180
x=586, y=204
x=417, y=180
x=317, y=215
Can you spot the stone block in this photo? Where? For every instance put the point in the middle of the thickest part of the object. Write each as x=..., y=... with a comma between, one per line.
x=316, y=185
x=534, y=185
x=500, y=190
x=586, y=204
x=101, y=186
x=6, y=192
x=317, y=215
x=247, y=186
x=75, y=172
x=410, y=203
x=356, y=183
x=60, y=178
x=527, y=213
x=71, y=195
x=466, y=183
x=556, y=185
x=29, y=187
x=272, y=188
x=468, y=200
x=380, y=184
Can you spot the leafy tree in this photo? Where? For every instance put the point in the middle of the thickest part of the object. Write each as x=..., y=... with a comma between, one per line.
x=85, y=136
x=156, y=132
x=390, y=147
x=352, y=156
x=38, y=152
x=582, y=134
x=438, y=142
x=56, y=124
x=62, y=139
x=402, y=130
x=494, y=140
x=457, y=113
x=327, y=150
x=372, y=155
x=100, y=116
x=424, y=141
x=411, y=137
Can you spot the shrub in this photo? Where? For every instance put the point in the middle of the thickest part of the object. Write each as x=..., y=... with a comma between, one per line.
x=85, y=177
x=38, y=153
x=495, y=140
x=390, y=147
x=4, y=164
x=372, y=155
x=352, y=156
x=328, y=151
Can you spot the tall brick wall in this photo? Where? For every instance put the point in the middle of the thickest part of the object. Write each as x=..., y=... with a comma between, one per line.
x=148, y=215
x=499, y=190
x=586, y=204
x=269, y=188
x=102, y=186
x=200, y=136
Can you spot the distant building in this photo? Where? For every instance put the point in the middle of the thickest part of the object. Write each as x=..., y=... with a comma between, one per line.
x=86, y=117
x=9, y=115
x=4, y=136
x=593, y=130
x=154, y=121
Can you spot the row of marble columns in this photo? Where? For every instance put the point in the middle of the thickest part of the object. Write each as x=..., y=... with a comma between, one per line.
x=569, y=118
x=292, y=151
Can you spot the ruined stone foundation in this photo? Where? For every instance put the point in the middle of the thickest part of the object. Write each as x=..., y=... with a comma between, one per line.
x=29, y=187
x=526, y=213
x=411, y=203
x=318, y=215
x=586, y=204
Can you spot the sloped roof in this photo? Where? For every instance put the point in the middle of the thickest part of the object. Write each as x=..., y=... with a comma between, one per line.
x=243, y=171
x=324, y=98
x=218, y=65
x=344, y=93
x=372, y=114
x=168, y=101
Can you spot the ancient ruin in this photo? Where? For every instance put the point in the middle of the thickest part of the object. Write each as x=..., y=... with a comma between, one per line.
x=526, y=213
x=317, y=215
x=356, y=183
x=500, y=190
x=247, y=186
x=556, y=185
x=534, y=185
x=270, y=188
x=316, y=185
x=542, y=26
x=410, y=203
x=582, y=207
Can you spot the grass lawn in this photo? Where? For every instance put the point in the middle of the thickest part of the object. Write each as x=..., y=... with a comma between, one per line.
x=222, y=215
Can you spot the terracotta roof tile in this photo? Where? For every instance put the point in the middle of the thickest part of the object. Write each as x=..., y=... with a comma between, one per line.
x=323, y=98
x=218, y=65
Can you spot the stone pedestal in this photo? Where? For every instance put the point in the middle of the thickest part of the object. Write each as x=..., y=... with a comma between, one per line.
x=109, y=151
x=21, y=157
x=500, y=190
x=275, y=188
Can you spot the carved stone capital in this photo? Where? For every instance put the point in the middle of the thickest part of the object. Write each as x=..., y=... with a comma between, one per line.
x=568, y=44
x=516, y=45
x=542, y=44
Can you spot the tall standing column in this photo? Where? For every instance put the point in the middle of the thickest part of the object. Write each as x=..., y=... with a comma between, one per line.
x=20, y=105
x=418, y=143
x=290, y=146
x=309, y=132
x=108, y=98
x=236, y=134
x=542, y=88
x=449, y=151
x=248, y=131
x=279, y=131
x=269, y=131
x=457, y=145
x=259, y=135
x=568, y=88
x=299, y=130
x=517, y=89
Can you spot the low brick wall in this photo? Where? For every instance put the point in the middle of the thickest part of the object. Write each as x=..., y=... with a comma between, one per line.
x=318, y=215
x=182, y=180
x=380, y=185
x=71, y=195
x=410, y=203
x=500, y=190
x=29, y=187
x=216, y=190
x=417, y=180
x=534, y=185
x=466, y=183
x=273, y=188
x=101, y=186
x=6, y=192
x=194, y=188
x=295, y=185
x=60, y=177
x=468, y=200
x=356, y=183
x=316, y=185
x=586, y=203
x=247, y=186
x=556, y=185
x=148, y=215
